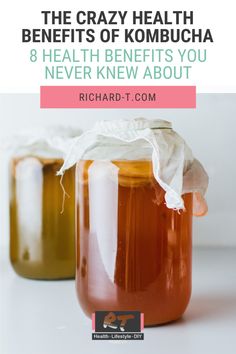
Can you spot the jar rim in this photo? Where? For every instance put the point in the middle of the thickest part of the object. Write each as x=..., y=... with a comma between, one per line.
x=136, y=124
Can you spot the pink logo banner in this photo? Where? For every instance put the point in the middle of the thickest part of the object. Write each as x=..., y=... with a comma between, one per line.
x=118, y=96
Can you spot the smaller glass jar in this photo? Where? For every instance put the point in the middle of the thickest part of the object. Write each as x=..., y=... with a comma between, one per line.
x=42, y=235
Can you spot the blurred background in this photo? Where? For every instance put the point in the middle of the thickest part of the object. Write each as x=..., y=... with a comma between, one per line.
x=209, y=130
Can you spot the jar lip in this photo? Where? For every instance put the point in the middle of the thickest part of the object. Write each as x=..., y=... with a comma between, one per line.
x=131, y=124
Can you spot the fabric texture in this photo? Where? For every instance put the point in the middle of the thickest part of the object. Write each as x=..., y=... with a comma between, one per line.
x=174, y=166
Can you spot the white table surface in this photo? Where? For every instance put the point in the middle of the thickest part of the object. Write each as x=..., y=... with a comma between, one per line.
x=43, y=317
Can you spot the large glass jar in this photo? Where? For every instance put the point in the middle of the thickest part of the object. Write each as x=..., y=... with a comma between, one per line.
x=133, y=253
x=42, y=221
x=134, y=195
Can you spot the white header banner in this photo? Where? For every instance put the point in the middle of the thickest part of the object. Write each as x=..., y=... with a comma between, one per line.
x=100, y=43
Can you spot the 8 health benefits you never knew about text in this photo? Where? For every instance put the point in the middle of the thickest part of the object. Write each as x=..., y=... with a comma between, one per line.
x=115, y=56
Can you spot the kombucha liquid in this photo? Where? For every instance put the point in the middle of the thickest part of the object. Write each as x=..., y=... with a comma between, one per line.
x=133, y=253
x=42, y=244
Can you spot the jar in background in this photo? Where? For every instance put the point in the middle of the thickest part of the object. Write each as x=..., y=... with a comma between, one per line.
x=42, y=244
x=42, y=235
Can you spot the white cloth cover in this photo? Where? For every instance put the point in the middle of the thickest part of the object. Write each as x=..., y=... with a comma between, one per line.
x=174, y=167
x=48, y=142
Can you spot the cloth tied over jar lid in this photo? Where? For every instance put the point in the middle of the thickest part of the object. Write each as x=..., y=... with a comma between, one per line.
x=174, y=166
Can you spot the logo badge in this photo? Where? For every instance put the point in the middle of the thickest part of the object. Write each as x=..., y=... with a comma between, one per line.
x=117, y=325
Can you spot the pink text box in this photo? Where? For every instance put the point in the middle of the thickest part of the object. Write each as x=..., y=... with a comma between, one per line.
x=118, y=96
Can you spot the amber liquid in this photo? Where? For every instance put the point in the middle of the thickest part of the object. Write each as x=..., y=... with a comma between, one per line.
x=133, y=253
x=42, y=239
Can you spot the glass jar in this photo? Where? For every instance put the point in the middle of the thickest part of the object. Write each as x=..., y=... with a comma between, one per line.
x=42, y=235
x=133, y=252
x=134, y=232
